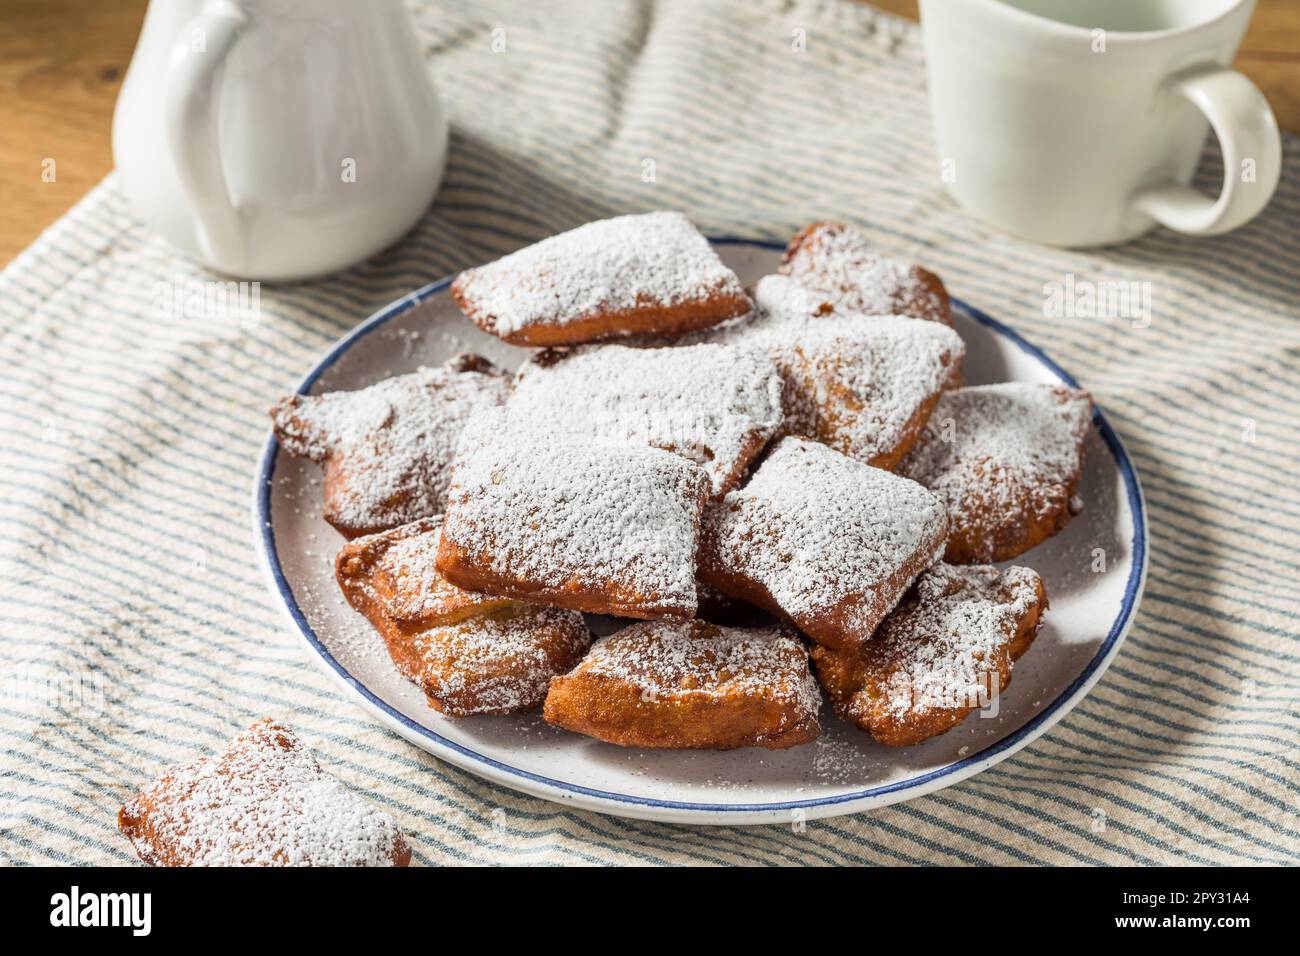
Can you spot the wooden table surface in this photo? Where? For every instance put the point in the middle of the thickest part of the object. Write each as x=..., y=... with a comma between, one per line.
x=62, y=61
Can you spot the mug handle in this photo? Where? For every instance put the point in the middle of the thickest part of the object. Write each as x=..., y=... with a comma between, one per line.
x=190, y=100
x=1247, y=129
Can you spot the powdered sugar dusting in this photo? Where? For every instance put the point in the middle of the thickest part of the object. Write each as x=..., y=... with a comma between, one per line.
x=612, y=265
x=943, y=645
x=862, y=387
x=991, y=451
x=574, y=512
x=837, y=264
x=693, y=659
x=714, y=405
x=780, y=300
x=818, y=529
x=397, y=573
x=387, y=449
x=499, y=662
x=782, y=307
x=263, y=801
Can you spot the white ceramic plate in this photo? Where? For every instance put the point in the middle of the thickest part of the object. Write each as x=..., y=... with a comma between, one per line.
x=842, y=772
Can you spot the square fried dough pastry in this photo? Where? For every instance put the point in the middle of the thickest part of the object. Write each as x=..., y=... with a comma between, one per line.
x=715, y=405
x=393, y=576
x=840, y=267
x=470, y=653
x=824, y=541
x=499, y=662
x=945, y=651
x=262, y=801
x=387, y=449
x=651, y=274
x=866, y=388
x=593, y=525
x=691, y=685
x=1006, y=460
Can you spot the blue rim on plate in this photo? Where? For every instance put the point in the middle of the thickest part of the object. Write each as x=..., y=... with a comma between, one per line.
x=1132, y=589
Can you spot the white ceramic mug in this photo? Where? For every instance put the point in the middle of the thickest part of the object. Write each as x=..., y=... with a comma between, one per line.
x=1081, y=122
x=279, y=139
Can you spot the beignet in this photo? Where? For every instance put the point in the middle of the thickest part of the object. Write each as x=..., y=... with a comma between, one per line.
x=386, y=450
x=945, y=651
x=1006, y=460
x=470, y=653
x=838, y=264
x=826, y=542
x=651, y=274
x=690, y=685
x=715, y=405
x=866, y=388
x=262, y=801
x=592, y=525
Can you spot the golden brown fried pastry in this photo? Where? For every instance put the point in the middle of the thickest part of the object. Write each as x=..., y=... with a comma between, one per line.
x=715, y=405
x=599, y=526
x=690, y=685
x=945, y=651
x=651, y=274
x=1006, y=461
x=822, y=540
x=392, y=576
x=494, y=663
x=263, y=801
x=864, y=388
x=470, y=653
x=837, y=263
x=386, y=450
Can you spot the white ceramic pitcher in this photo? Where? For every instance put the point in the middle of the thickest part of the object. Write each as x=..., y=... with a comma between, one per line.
x=279, y=139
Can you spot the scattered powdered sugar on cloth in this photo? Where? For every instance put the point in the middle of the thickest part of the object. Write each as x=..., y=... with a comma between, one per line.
x=263, y=801
x=713, y=404
x=388, y=447
x=553, y=508
x=612, y=265
x=815, y=527
x=695, y=659
x=993, y=449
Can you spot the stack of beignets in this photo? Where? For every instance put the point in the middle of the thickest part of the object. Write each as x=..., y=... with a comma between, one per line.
x=804, y=452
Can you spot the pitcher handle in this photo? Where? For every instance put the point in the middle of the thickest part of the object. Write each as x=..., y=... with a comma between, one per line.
x=193, y=79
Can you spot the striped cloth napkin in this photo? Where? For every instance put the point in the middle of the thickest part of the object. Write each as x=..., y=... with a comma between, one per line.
x=137, y=631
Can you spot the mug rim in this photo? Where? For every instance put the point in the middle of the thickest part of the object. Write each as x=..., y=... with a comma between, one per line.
x=1062, y=28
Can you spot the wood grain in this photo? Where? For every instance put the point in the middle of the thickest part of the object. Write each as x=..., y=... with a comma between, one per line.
x=62, y=62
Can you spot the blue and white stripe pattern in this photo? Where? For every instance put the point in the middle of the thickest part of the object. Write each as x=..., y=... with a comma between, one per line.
x=135, y=629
